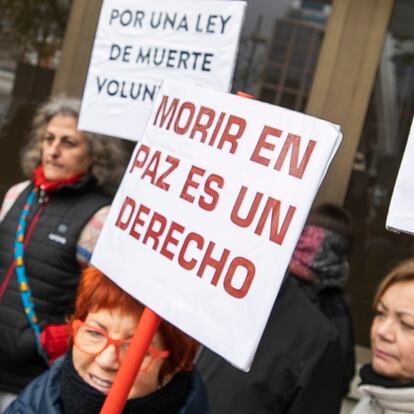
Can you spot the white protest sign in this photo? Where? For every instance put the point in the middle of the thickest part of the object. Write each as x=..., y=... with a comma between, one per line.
x=138, y=43
x=209, y=210
x=401, y=212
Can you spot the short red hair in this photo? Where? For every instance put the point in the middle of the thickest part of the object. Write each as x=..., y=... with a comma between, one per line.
x=96, y=291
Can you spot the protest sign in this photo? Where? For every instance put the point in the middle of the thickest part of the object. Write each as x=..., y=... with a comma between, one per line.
x=209, y=210
x=140, y=42
x=401, y=213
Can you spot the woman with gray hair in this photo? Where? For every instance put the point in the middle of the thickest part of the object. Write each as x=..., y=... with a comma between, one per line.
x=48, y=229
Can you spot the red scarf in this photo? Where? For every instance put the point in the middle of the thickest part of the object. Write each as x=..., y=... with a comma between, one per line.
x=40, y=180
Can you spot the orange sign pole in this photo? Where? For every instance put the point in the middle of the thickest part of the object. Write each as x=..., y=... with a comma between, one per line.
x=244, y=95
x=144, y=332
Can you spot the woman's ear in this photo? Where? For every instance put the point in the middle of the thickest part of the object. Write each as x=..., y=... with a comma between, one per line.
x=165, y=375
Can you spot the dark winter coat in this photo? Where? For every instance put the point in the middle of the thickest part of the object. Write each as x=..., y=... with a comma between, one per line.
x=320, y=268
x=332, y=303
x=296, y=369
x=52, y=269
x=42, y=396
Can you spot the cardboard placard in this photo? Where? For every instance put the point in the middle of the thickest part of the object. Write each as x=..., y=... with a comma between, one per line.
x=210, y=209
x=400, y=213
x=138, y=43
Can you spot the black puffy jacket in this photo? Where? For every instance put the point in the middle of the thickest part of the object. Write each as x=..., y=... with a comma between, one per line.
x=52, y=269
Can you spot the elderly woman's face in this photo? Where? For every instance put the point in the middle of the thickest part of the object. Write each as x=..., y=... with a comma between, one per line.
x=65, y=151
x=392, y=333
x=100, y=370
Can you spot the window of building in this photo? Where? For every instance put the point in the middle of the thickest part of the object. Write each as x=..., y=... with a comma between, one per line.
x=376, y=165
x=279, y=49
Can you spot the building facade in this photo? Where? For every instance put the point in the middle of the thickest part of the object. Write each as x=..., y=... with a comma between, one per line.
x=348, y=61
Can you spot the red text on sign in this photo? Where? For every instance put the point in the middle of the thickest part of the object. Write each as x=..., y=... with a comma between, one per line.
x=221, y=130
x=290, y=144
x=188, y=249
x=271, y=210
x=149, y=166
x=209, y=199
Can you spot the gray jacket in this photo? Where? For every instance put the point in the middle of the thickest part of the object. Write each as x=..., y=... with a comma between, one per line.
x=381, y=400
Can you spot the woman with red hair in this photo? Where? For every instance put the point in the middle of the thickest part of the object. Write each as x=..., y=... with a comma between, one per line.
x=102, y=326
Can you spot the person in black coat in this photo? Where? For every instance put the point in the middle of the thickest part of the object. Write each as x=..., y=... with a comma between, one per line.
x=296, y=369
x=320, y=267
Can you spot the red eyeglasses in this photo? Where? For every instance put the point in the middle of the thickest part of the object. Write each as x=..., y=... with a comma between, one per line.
x=93, y=340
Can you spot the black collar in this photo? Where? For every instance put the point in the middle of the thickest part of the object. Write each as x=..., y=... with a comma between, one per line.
x=370, y=377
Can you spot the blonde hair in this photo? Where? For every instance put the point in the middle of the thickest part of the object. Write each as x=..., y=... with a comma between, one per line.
x=403, y=272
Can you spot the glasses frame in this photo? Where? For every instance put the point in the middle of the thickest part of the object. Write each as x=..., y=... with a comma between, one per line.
x=153, y=352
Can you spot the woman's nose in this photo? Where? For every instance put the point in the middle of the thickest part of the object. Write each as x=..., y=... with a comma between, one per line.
x=52, y=150
x=108, y=358
x=54, y=147
x=386, y=329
